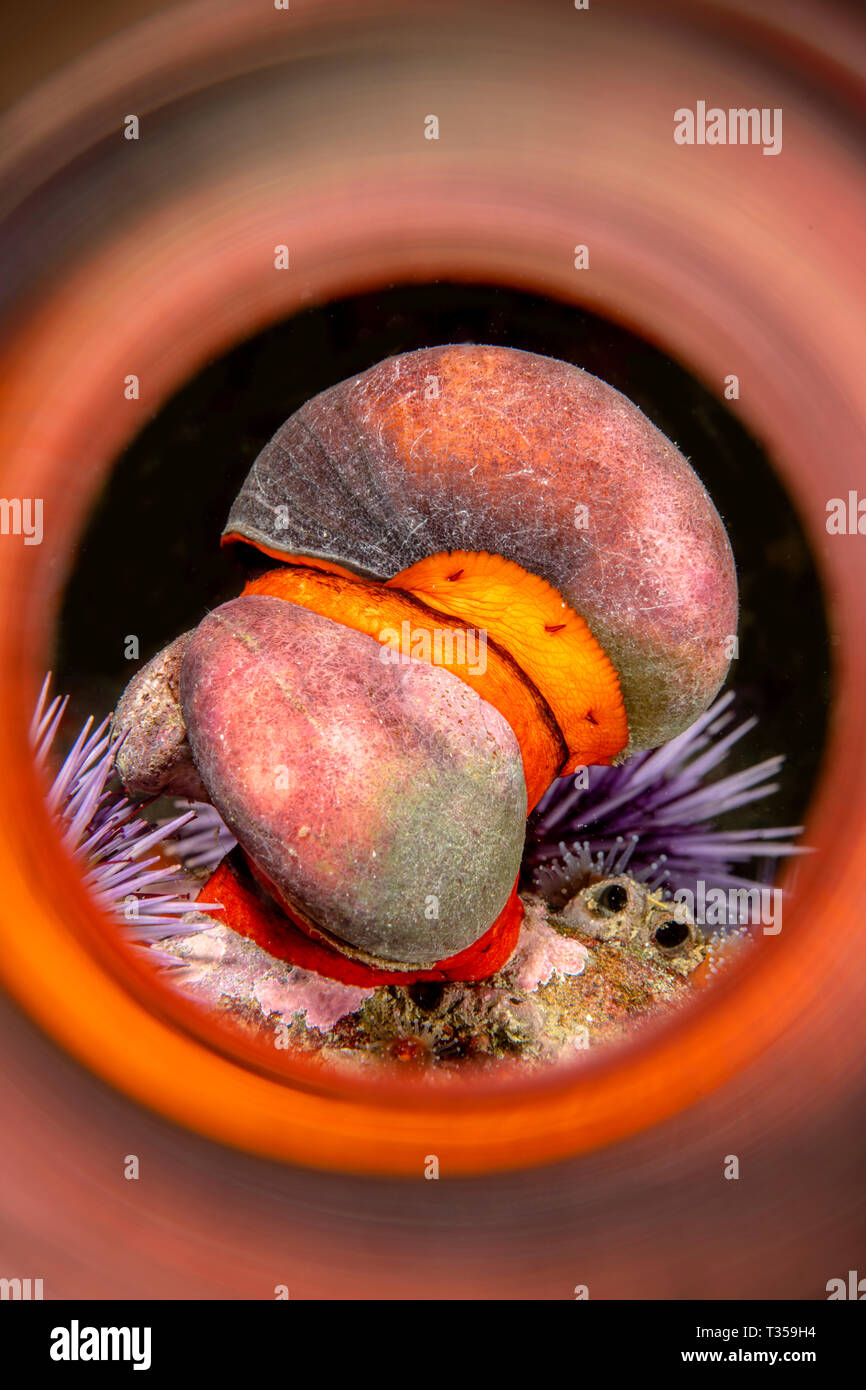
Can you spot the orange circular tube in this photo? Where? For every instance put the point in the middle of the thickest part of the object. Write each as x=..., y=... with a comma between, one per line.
x=146, y=301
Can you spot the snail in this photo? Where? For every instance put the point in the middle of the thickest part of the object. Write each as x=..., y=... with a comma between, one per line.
x=470, y=570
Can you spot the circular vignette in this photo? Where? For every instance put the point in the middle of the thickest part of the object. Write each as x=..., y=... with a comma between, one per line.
x=139, y=288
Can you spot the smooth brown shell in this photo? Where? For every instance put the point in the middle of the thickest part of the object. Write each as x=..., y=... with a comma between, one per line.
x=490, y=448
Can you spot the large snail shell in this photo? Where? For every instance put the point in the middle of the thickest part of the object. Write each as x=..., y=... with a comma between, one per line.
x=489, y=448
x=385, y=804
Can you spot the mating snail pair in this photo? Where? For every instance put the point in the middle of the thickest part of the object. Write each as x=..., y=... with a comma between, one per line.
x=376, y=778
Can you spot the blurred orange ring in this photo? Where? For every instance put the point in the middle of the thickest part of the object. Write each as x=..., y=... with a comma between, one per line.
x=147, y=301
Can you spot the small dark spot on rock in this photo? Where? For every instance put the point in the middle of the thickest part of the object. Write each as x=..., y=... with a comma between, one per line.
x=426, y=995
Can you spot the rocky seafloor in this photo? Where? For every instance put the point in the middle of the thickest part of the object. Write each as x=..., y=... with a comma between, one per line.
x=608, y=961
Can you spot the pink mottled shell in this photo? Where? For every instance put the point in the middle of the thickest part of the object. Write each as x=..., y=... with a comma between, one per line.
x=386, y=803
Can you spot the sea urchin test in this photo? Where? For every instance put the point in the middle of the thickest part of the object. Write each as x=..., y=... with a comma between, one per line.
x=380, y=804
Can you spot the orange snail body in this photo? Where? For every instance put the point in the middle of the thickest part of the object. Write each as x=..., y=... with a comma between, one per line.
x=492, y=569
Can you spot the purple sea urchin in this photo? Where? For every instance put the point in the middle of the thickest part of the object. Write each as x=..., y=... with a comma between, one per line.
x=200, y=844
x=654, y=818
x=106, y=834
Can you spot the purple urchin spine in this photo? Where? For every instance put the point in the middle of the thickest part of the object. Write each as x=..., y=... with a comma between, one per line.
x=653, y=817
x=106, y=835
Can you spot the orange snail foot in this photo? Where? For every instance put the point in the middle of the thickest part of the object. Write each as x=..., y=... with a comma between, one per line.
x=552, y=645
x=510, y=636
